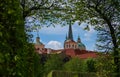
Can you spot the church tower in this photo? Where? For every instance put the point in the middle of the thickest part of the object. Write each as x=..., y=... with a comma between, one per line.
x=80, y=45
x=39, y=46
x=69, y=43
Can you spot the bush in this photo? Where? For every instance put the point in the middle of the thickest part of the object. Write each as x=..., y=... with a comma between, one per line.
x=70, y=74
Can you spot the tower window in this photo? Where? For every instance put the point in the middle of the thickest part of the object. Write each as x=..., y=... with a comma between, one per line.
x=69, y=46
x=66, y=46
x=37, y=48
x=73, y=45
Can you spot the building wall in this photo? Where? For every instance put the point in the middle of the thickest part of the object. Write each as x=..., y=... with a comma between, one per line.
x=39, y=48
x=70, y=45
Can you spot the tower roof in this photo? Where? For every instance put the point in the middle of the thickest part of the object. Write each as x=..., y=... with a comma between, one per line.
x=70, y=35
x=38, y=39
x=78, y=40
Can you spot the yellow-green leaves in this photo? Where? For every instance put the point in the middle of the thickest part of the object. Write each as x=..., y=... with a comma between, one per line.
x=10, y=11
x=0, y=34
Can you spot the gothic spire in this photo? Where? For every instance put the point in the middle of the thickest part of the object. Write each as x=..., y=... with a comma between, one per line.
x=70, y=35
x=66, y=37
x=37, y=38
x=37, y=33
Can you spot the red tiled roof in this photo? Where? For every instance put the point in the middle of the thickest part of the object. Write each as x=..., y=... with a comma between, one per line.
x=83, y=54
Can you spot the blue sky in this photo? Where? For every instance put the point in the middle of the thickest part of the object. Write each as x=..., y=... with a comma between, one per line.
x=53, y=37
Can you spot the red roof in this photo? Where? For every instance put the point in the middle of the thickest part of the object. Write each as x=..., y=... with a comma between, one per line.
x=80, y=53
x=83, y=54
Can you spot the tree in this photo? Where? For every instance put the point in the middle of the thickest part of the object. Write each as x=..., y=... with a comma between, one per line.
x=38, y=66
x=104, y=66
x=16, y=54
x=44, y=12
x=103, y=14
x=54, y=62
x=75, y=64
x=91, y=65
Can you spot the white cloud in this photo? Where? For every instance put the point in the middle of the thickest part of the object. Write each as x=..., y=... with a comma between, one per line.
x=54, y=45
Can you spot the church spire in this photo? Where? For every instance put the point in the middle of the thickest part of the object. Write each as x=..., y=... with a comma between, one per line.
x=37, y=33
x=66, y=37
x=70, y=35
x=37, y=38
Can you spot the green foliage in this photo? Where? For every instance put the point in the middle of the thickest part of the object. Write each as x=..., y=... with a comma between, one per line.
x=104, y=15
x=70, y=74
x=90, y=63
x=54, y=62
x=100, y=67
x=16, y=54
x=105, y=66
x=45, y=12
x=75, y=64
x=38, y=67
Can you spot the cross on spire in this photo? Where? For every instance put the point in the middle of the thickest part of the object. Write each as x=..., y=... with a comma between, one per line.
x=37, y=33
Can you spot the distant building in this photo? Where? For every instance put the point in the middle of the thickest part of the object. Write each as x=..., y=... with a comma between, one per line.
x=76, y=48
x=39, y=46
x=69, y=43
x=71, y=48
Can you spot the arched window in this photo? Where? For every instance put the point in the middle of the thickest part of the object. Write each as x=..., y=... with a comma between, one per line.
x=73, y=46
x=69, y=45
x=66, y=46
x=37, y=48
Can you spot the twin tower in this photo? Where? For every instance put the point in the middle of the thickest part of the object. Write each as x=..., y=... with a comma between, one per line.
x=69, y=42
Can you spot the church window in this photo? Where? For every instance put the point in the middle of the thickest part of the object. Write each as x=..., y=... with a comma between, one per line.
x=66, y=46
x=69, y=46
x=37, y=48
x=73, y=45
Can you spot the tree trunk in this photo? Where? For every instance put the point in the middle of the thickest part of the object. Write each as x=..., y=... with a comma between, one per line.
x=114, y=41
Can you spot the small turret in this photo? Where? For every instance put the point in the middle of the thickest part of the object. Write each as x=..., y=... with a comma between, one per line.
x=38, y=39
x=78, y=40
x=81, y=46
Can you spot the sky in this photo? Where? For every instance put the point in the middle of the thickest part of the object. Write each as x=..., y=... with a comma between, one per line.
x=53, y=37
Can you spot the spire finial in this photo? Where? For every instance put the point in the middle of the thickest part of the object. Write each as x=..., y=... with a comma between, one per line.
x=37, y=33
x=78, y=40
x=78, y=36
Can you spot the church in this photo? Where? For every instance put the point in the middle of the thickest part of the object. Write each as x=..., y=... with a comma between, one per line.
x=69, y=42
x=71, y=48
